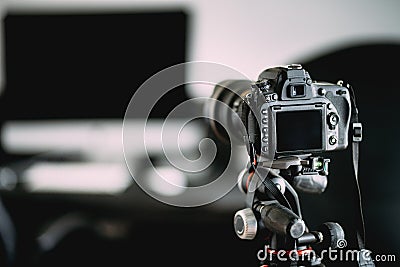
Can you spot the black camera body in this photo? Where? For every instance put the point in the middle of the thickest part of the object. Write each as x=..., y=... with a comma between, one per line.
x=296, y=115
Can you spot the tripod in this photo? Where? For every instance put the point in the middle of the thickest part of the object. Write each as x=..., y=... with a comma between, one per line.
x=273, y=210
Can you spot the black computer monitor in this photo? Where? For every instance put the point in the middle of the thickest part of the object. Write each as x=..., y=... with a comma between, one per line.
x=87, y=66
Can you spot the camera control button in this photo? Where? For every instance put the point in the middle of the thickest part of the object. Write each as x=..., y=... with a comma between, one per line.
x=263, y=84
x=333, y=119
x=263, y=111
x=332, y=140
x=330, y=106
x=321, y=91
x=264, y=121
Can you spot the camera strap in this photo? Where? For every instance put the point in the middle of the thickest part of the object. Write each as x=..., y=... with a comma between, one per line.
x=363, y=260
x=355, y=150
x=360, y=231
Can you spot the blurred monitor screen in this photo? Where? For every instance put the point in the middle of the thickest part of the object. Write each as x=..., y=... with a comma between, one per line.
x=87, y=66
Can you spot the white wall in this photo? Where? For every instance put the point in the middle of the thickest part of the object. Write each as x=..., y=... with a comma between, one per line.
x=253, y=35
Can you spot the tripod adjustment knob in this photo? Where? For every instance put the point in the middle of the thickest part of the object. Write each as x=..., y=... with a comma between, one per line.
x=333, y=235
x=245, y=224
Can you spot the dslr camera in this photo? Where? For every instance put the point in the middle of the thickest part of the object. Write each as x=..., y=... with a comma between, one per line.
x=286, y=120
x=285, y=112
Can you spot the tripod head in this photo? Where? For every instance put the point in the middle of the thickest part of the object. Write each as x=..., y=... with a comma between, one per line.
x=280, y=223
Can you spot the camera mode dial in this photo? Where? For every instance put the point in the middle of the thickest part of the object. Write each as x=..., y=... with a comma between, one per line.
x=262, y=85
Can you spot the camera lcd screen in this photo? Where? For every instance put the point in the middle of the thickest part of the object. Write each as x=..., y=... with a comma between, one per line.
x=298, y=130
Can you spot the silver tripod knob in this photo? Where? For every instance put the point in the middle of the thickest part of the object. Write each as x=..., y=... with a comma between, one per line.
x=245, y=224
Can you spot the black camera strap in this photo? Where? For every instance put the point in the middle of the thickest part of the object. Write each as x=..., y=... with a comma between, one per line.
x=363, y=261
x=361, y=225
x=356, y=139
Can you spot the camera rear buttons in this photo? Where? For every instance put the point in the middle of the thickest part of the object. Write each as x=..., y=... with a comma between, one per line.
x=332, y=140
x=333, y=120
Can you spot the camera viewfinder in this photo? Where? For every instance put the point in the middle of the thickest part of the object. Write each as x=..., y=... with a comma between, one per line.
x=297, y=90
